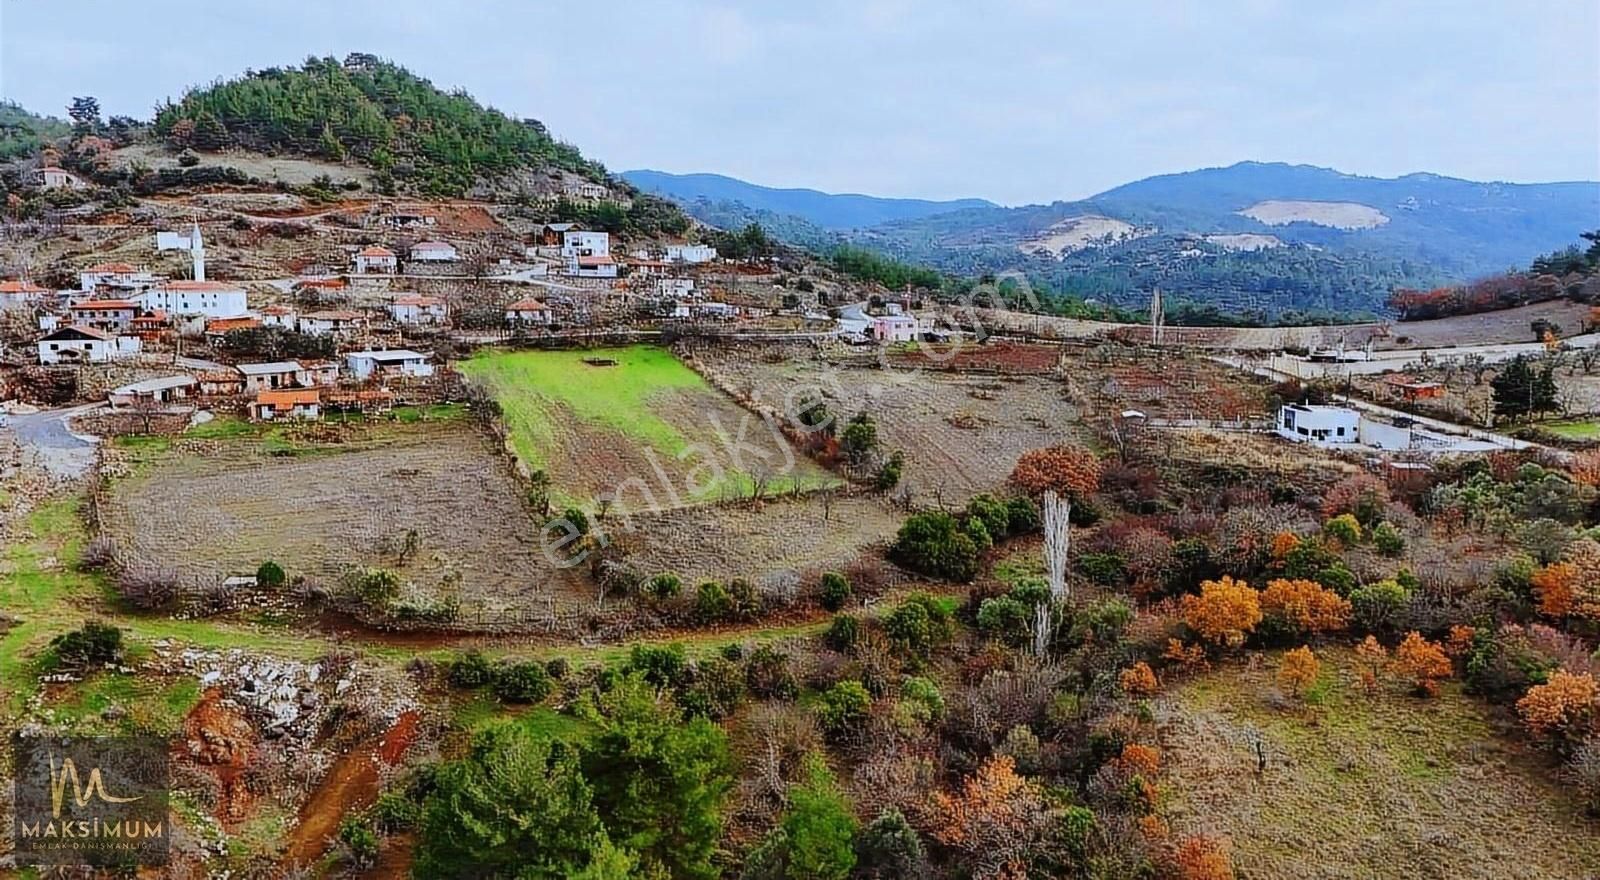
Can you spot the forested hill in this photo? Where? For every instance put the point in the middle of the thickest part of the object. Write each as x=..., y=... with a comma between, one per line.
x=23, y=133
x=372, y=111
x=829, y=211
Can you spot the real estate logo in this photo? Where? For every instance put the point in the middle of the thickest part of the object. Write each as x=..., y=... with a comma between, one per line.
x=90, y=800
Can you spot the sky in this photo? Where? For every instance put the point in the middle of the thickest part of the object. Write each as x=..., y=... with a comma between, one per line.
x=1017, y=101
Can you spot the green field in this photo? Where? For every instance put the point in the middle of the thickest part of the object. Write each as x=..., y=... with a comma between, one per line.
x=592, y=426
x=1585, y=430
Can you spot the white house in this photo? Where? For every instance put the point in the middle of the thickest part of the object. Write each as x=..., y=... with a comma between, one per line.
x=434, y=252
x=690, y=253
x=1305, y=423
x=394, y=362
x=104, y=314
x=331, y=322
x=298, y=403
x=675, y=288
x=51, y=177
x=599, y=266
x=414, y=309
x=528, y=311
x=20, y=293
x=583, y=243
x=118, y=275
x=894, y=328
x=76, y=345
x=585, y=189
x=214, y=299
x=279, y=316
x=373, y=259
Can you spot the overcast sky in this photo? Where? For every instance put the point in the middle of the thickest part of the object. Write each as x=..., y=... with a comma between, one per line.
x=1021, y=101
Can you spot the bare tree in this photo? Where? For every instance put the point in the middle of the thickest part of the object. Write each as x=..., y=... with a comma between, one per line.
x=1057, y=534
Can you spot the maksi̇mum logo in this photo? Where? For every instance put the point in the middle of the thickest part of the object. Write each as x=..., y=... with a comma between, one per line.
x=91, y=800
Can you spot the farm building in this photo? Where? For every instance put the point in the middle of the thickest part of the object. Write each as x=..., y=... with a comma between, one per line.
x=331, y=322
x=279, y=316
x=374, y=259
x=1403, y=387
x=585, y=189
x=214, y=299
x=528, y=311
x=376, y=400
x=599, y=266
x=1303, y=423
x=104, y=314
x=51, y=177
x=434, y=252
x=267, y=376
x=690, y=253
x=413, y=309
x=894, y=328
x=159, y=392
x=220, y=383
x=299, y=403
x=78, y=345
x=394, y=362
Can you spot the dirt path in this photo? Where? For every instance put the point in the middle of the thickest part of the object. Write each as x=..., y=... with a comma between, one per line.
x=352, y=784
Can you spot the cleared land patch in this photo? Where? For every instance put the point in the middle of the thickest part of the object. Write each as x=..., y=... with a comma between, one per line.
x=1388, y=786
x=210, y=509
x=645, y=429
x=1339, y=215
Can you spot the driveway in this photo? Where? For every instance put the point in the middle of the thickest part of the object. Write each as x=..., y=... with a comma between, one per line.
x=48, y=436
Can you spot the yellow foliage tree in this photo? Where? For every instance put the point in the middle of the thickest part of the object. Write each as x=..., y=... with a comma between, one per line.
x=1225, y=612
x=1138, y=680
x=1553, y=584
x=1305, y=606
x=1422, y=661
x=1203, y=858
x=1299, y=670
x=1372, y=659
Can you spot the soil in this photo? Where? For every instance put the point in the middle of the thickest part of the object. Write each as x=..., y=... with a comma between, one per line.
x=220, y=739
x=352, y=784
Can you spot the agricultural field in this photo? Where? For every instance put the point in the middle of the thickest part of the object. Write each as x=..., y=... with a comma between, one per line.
x=636, y=425
x=1356, y=786
x=783, y=539
x=210, y=508
x=961, y=434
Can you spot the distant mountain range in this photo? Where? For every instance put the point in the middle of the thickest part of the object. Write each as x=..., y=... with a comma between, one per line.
x=829, y=211
x=1267, y=238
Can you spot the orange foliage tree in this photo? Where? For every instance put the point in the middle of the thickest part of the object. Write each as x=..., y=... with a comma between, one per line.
x=1561, y=707
x=1422, y=661
x=1299, y=670
x=1584, y=556
x=998, y=821
x=1202, y=858
x=1305, y=606
x=1585, y=467
x=1187, y=657
x=1282, y=544
x=1553, y=584
x=1138, y=680
x=1372, y=658
x=1140, y=759
x=1225, y=612
x=1071, y=470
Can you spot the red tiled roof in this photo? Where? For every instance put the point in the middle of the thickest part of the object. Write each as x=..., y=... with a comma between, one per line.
x=223, y=325
x=80, y=328
x=596, y=261
x=527, y=305
x=376, y=251
x=20, y=287
x=320, y=282
x=290, y=396
x=105, y=304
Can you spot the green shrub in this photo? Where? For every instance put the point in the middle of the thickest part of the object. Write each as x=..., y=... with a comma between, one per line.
x=1022, y=515
x=359, y=841
x=835, y=591
x=843, y=632
x=918, y=625
x=935, y=544
x=1377, y=605
x=1106, y=569
x=557, y=668
x=993, y=513
x=661, y=665
x=768, y=675
x=375, y=588
x=975, y=529
x=579, y=519
x=1388, y=540
x=471, y=670
x=712, y=602
x=889, y=849
x=717, y=691
x=921, y=699
x=1004, y=618
x=1344, y=528
x=844, y=707
x=93, y=644
x=270, y=575
x=1337, y=578
x=665, y=585
x=889, y=472
x=746, y=601
x=525, y=682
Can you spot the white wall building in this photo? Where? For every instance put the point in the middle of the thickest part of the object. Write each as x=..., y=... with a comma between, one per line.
x=413, y=309
x=121, y=276
x=214, y=299
x=394, y=362
x=582, y=243
x=375, y=259
x=1306, y=423
x=434, y=252
x=77, y=345
x=59, y=178
x=894, y=328
x=690, y=253
x=528, y=311
x=331, y=322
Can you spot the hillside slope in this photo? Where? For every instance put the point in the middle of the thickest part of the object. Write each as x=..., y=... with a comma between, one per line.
x=832, y=211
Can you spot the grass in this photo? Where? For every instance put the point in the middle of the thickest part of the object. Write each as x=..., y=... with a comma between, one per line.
x=1359, y=785
x=1584, y=430
x=616, y=397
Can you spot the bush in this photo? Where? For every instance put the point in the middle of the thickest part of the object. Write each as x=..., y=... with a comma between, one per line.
x=270, y=575
x=1004, y=618
x=94, y=644
x=768, y=675
x=835, y=591
x=889, y=849
x=918, y=624
x=718, y=689
x=1023, y=515
x=993, y=513
x=843, y=707
x=1344, y=528
x=664, y=586
x=889, y=473
x=921, y=700
x=525, y=682
x=579, y=519
x=375, y=588
x=712, y=602
x=661, y=665
x=396, y=811
x=1106, y=569
x=746, y=602
x=359, y=841
x=1388, y=540
x=1377, y=606
x=471, y=671
x=935, y=544
x=843, y=632
x=557, y=668
x=147, y=587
